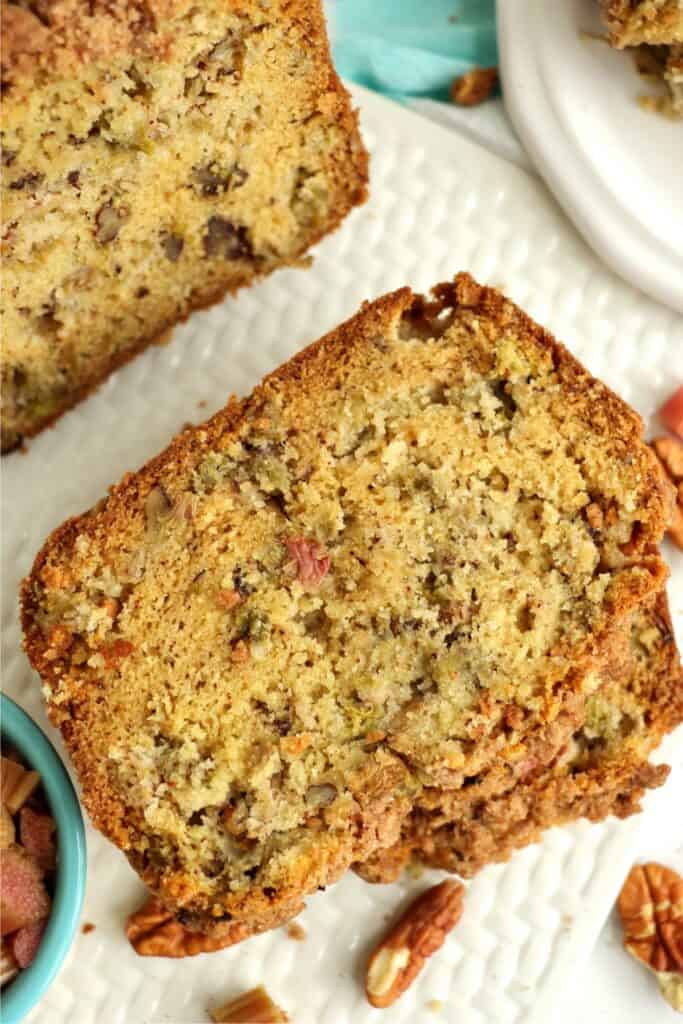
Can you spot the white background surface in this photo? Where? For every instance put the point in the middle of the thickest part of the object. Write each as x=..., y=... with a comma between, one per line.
x=438, y=205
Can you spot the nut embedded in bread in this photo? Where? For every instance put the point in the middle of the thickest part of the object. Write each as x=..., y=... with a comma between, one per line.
x=375, y=574
x=155, y=157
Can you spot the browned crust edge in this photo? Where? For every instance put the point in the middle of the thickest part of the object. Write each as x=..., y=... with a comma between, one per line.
x=490, y=831
x=326, y=359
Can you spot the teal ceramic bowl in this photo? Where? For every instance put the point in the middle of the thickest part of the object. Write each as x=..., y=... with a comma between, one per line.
x=38, y=753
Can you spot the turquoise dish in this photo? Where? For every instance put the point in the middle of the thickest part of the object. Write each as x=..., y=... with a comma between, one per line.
x=411, y=48
x=22, y=994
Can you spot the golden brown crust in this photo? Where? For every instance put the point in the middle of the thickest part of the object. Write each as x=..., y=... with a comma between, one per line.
x=61, y=35
x=323, y=364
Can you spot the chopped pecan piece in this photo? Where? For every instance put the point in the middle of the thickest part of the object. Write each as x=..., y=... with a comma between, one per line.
x=252, y=1007
x=226, y=240
x=308, y=559
x=240, y=652
x=109, y=220
x=402, y=954
x=594, y=516
x=154, y=931
x=474, y=87
x=157, y=505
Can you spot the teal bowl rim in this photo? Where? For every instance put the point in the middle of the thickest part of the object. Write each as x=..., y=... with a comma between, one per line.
x=22, y=994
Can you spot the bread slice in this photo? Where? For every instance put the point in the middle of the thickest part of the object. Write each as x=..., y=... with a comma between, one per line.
x=156, y=156
x=632, y=22
x=380, y=572
x=603, y=771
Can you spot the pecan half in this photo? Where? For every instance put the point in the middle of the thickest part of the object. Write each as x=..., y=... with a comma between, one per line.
x=402, y=954
x=252, y=1007
x=154, y=931
x=474, y=87
x=17, y=784
x=651, y=910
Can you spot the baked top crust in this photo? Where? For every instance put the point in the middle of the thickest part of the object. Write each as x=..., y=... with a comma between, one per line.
x=58, y=36
x=379, y=572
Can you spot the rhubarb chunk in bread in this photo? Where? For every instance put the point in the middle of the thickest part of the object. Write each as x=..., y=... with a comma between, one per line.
x=379, y=572
x=603, y=770
x=155, y=156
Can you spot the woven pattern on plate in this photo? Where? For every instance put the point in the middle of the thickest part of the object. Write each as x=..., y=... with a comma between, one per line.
x=439, y=204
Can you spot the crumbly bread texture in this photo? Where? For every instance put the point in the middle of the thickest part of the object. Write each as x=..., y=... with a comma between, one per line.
x=603, y=770
x=382, y=571
x=156, y=155
x=632, y=22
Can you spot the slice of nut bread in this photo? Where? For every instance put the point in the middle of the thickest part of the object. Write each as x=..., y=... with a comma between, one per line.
x=604, y=769
x=381, y=571
x=156, y=155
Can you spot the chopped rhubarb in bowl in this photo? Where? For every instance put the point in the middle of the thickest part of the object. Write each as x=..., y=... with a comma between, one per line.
x=43, y=862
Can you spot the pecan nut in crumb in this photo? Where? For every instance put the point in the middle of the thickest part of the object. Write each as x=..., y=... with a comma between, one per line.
x=252, y=1007
x=154, y=931
x=295, y=931
x=17, y=784
x=651, y=909
x=474, y=87
x=402, y=954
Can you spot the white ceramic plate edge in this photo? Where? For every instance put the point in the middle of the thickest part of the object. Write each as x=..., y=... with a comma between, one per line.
x=632, y=252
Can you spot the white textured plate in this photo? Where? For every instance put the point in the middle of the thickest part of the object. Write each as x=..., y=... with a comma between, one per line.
x=439, y=204
x=616, y=168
